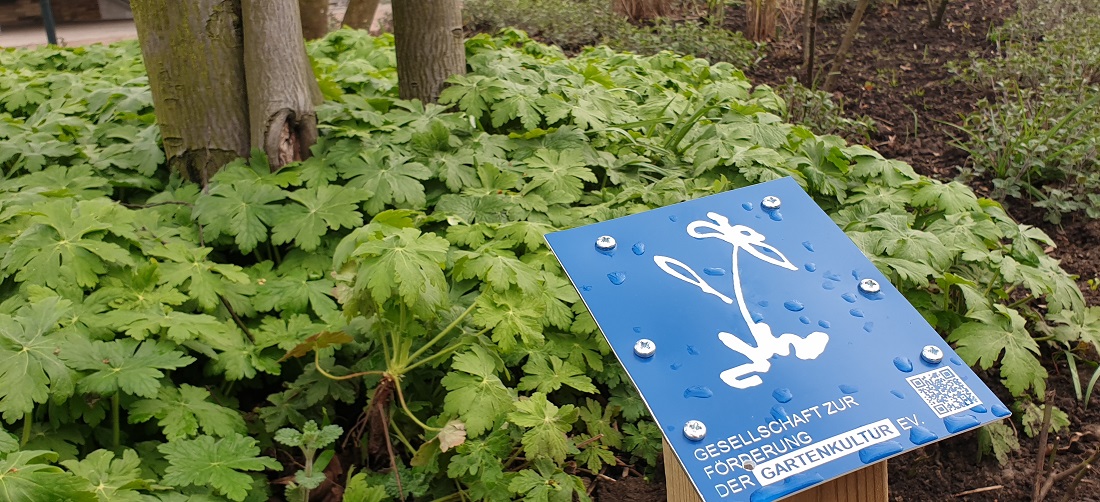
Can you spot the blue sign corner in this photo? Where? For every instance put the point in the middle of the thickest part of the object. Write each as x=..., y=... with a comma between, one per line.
x=771, y=352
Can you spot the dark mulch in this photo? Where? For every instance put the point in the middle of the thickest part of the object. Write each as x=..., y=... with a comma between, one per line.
x=898, y=74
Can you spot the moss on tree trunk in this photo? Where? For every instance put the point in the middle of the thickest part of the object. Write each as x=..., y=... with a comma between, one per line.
x=198, y=54
x=192, y=51
x=430, y=47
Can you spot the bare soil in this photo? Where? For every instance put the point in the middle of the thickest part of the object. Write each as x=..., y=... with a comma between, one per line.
x=898, y=74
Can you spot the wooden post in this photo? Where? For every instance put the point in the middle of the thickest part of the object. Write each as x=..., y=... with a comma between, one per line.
x=865, y=485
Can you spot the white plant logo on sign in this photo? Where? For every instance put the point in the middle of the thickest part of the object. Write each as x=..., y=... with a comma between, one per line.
x=767, y=345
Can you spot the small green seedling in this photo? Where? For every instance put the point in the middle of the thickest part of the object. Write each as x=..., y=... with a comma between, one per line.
x=310, y=439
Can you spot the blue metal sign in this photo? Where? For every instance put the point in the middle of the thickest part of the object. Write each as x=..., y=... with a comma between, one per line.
x=769, y=349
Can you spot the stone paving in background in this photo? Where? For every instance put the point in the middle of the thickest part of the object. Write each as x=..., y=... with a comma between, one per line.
x=72, y=34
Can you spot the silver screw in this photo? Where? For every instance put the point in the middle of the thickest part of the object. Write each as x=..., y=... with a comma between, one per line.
x=605, y=243
x=645, y=348
x=869, y=286
x=931, y=354
x=694, y=430
x=771, y=202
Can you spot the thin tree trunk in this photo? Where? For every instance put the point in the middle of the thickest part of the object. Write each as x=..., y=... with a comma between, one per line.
x=430, y=46
x=314, y=18
x=761, y=16
x=845, y=45
x=940, y=11
x=282, y=90
x=192, y=52
x=642, y=10
x=809, y=40
x=360, y=14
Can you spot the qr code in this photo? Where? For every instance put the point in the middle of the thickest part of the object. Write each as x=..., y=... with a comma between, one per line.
x=944, y=392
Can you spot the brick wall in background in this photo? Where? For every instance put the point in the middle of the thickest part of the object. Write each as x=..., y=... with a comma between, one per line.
x=14, y=12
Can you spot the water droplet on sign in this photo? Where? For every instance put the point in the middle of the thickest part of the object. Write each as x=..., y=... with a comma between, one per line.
x=824, y=324
x=673, y=218
x=638, y=248
x=692, y=351
x=848, y=297
x=978, y=409
x=675, y=366
x=714, y=271
x=779, y=413
x=849, y=389
x=920, y=435
x=757, y=317
x=828, y=285
x=776, y=215
x=586, y=288
x=783, y=395
x=809, y=246
x=959, y=423
x=698, y=391
x=832, y=277
x=747, y=206
x=898, y=394
x=903, y=364
x=856, y=312
x=1000, y=411
x=876, y=452
x=868, y=326
x=811, y=267
x=794, y=306
x=956, y=360
x=616, y=278
x=637, y=329
x=804, y=320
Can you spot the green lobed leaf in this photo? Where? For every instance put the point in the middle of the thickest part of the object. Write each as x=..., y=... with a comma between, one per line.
x=215, y=463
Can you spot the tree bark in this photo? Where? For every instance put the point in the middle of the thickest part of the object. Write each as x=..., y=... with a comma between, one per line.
x=192, y=51
x=314, y=18
x=360, y=14
x=761, y=16
x=940, y=11
x=642, y=10
x=282, y=90
x=430, y=47
x=809, y=40
x=845, y=45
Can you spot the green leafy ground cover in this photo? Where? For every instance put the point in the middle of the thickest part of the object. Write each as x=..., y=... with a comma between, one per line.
x=158, y=342
x=1038, y=138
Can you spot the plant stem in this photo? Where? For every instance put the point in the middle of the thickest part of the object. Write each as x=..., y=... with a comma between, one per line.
x=317, y=364
x=400, y=435
x=28, y=421
x=443, y=333
x=443, y=353
x=1041, y=456
x=309, y=471
x=401, y=399
x=116, y=428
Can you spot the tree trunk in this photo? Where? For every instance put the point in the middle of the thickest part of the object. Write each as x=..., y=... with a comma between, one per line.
x=314, y=18
x=845, y=45
x=940, y=11
x=761, y=16
x=282, y=90
x=360, y=14
x=809, y=40
x=193, y=54
x=226, y=81
x=642, y=10
x=430, y=47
